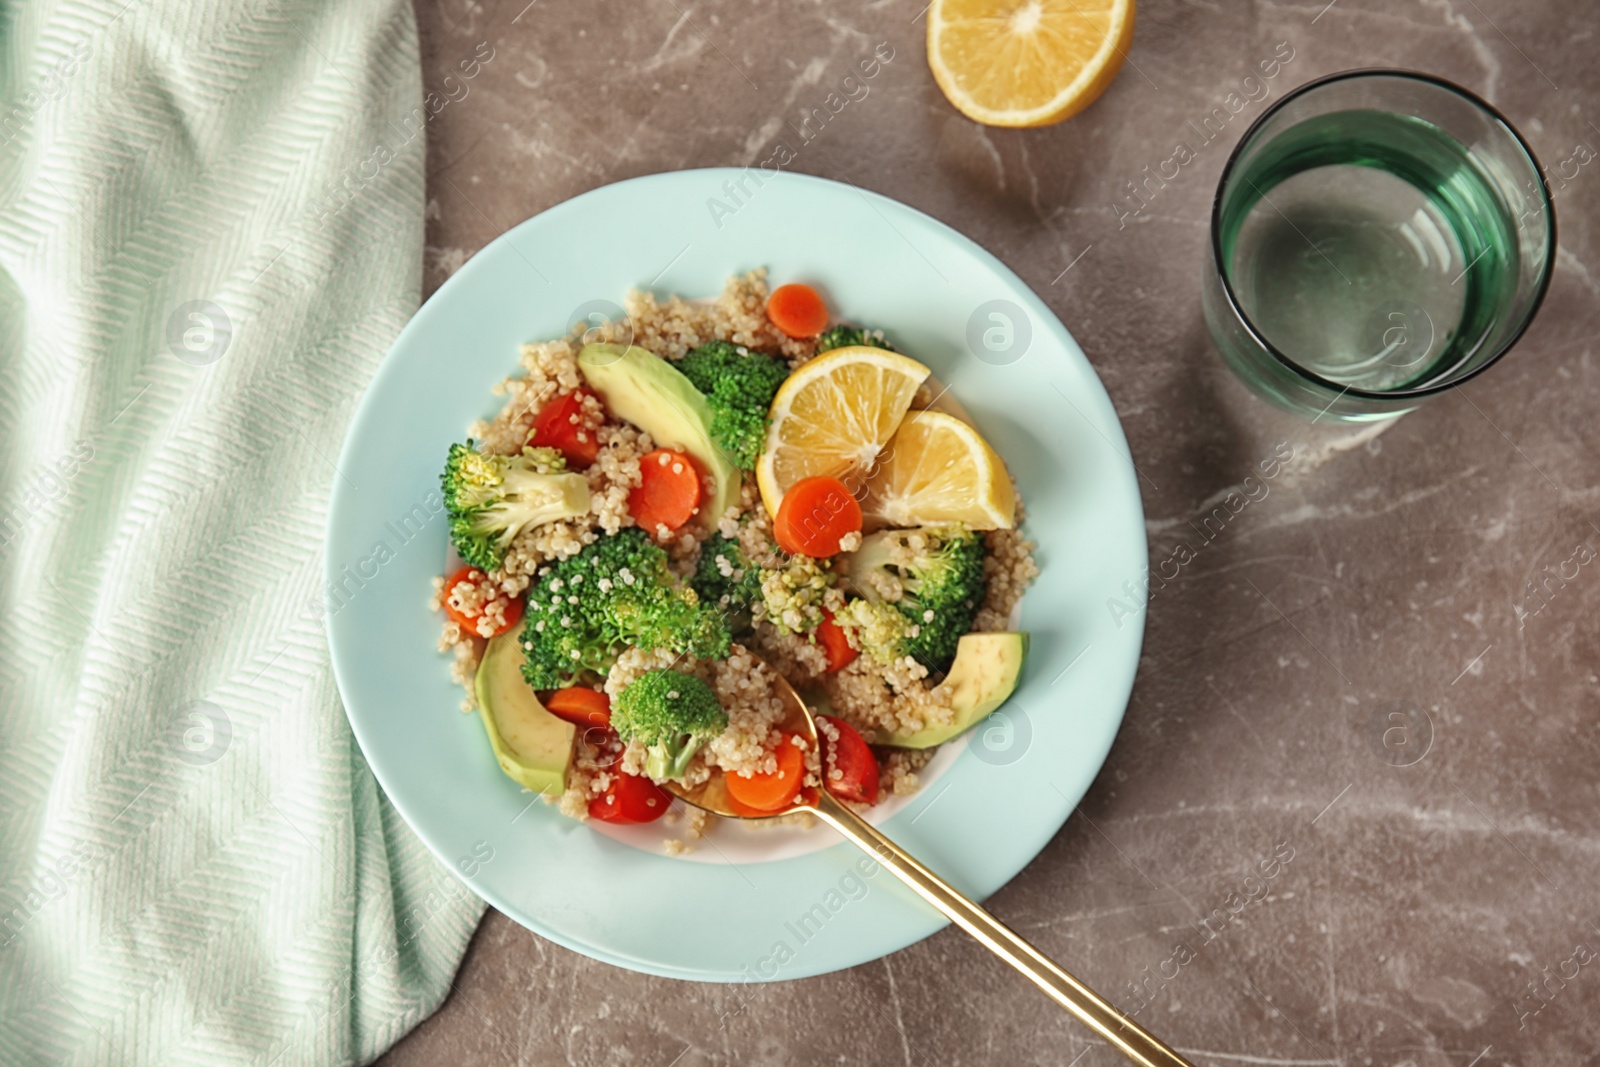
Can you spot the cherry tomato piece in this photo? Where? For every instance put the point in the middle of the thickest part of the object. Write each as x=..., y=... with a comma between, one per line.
x=467, y=618
x=559, y=425
x=835, y=643
x=852, y=757
x=630, y=799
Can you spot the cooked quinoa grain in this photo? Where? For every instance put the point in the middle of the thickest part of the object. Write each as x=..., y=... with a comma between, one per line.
x=883, y=698
x=739, y=315
x=898, y=767
x=1009, y=569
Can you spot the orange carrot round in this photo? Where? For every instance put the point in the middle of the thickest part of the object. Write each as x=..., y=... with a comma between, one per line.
x=815, y=515
x=580, y=705
x=668, y=492
x=797, y=310
x=738, y=807
x=771, y=792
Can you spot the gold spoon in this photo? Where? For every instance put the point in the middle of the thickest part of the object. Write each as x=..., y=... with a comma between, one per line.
x=1132, y=1040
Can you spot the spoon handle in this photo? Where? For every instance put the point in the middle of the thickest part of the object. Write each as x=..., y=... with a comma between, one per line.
x=1132, y=1040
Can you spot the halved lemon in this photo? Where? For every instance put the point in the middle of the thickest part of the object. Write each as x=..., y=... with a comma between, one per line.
x=1026, y=62
x=938, y=469
x=833, y=416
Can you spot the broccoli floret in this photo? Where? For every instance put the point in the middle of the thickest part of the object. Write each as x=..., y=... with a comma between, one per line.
x=491, y=499
x=934, y=577
x=740, y=385
x=726, y=580
x=876, y=628
x=672, y=714
x=843, y=336
x=616, y=593
x=792, y=593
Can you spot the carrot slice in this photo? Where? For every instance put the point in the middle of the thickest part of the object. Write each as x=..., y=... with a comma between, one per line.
x=739, y=808
x=835, y=643
x=668, y=492
x=797, y=310
x=580, y=705
x=815, y=515
x=770, y=792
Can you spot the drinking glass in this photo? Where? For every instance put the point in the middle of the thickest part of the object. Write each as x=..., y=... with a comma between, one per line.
x=1378, y=237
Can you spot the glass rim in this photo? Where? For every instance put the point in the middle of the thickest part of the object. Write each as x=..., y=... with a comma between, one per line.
x=1545, y=275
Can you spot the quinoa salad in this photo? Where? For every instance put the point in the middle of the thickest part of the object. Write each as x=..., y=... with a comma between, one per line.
x=676, y=511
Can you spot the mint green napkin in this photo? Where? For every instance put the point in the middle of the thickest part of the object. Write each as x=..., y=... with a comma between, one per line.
x=211, y=228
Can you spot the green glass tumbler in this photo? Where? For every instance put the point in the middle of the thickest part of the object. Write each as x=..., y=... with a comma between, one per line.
x=1378, y=237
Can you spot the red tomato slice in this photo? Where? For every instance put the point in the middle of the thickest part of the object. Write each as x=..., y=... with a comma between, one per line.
x=469, y=621
x=852, y=756
x=835, y=643
x=554, y=428
x=630, y=799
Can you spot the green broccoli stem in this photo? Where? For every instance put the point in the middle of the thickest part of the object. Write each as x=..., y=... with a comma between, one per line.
x=667, y=760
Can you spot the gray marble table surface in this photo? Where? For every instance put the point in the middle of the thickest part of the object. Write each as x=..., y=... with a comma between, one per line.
x=1441, y=911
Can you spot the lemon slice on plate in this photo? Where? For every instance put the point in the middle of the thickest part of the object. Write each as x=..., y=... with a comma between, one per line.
x=938, y=469
x=834, y=415
x=1026, y=62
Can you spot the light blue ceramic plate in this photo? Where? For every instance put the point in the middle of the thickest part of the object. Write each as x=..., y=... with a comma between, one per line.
x=751, y=906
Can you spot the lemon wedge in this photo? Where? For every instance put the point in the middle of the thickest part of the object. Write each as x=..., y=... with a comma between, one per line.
x=833, y=417
x=1026, y=62
x=938, y=469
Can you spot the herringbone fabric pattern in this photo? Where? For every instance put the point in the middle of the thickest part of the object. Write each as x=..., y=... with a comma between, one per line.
x=210, y=231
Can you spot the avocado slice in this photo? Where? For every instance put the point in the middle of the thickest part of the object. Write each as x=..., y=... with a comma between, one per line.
x=646, y=390
x=985, y=671
x=531, y=745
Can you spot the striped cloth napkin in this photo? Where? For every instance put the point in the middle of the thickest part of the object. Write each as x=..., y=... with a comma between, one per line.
x=211, y=228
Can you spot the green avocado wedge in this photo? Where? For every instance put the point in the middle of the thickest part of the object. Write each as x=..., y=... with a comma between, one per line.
x=532, y=746
x=984, y=673
x=642, y=388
